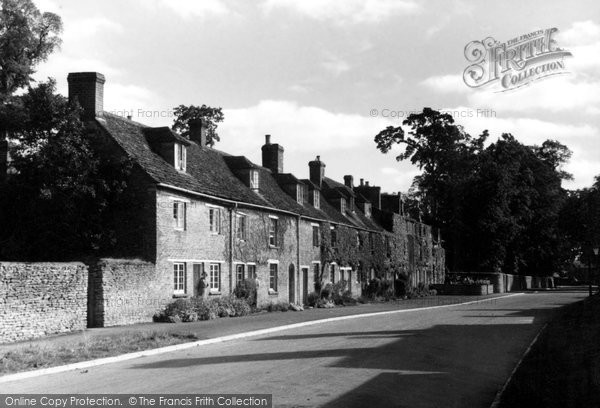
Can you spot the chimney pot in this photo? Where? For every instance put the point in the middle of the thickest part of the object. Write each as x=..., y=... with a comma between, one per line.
x=272, y=156
x=316, y=171
x=129, y=117
x=367, y=183
x=362, y=182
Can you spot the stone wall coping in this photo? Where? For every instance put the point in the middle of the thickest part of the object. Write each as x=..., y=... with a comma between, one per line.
x=73, y=263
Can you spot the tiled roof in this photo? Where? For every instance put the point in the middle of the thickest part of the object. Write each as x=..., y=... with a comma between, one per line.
x=210, y=171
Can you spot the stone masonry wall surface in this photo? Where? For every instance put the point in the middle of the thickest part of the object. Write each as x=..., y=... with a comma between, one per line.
x=38, y=299
x=126, y=291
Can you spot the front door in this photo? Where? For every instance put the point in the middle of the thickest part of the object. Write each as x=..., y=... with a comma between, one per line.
x=292, y=284
x=305, y=285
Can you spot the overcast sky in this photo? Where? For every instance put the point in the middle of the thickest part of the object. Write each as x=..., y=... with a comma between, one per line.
x=312, y=72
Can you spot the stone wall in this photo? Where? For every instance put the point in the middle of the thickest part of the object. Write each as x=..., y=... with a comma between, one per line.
x=126, y=291
x=38, y=299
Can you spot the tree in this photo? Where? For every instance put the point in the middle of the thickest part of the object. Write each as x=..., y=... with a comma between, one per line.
x=211, y=118
x=445, y=153
x=59, y=202
x=498, y=206
x=27, y=37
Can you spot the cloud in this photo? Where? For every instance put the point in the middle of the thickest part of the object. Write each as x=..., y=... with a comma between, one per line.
x=580, y=33
x=189, y=9
x=300, y=128
x=336, y=65
x=346, y=11
x=554, y=94
x=446, y=84
x=582, y=139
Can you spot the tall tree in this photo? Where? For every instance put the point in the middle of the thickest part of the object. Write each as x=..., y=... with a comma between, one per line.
x=59, y=201
x=445, y=154
x=27, y=37
x=210, y=116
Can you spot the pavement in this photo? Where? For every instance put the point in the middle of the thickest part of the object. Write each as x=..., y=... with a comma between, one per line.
x=455, y=356
x=229, y=326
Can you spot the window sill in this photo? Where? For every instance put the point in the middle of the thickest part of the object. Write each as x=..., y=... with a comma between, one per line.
x=273, y=293
x=180, y=295
x=214, y=293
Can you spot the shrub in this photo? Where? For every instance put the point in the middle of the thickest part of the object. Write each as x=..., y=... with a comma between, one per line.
x=246, y=289
x=313, y=297
x=337, y=290
x=191, y=310
x=278, y=307
x=326, y=291
x=379, y=288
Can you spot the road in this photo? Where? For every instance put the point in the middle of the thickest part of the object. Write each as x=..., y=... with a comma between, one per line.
x=457, y=356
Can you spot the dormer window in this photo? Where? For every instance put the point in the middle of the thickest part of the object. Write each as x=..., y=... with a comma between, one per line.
x=368, y=210
x=180, y=156
x=300, y=193
x=254, y=185
x=316, y=199
x=343, y=205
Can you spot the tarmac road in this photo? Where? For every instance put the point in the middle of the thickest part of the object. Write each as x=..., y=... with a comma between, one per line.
x=458, y=356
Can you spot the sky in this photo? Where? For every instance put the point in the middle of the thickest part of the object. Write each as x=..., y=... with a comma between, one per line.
x=323, y=77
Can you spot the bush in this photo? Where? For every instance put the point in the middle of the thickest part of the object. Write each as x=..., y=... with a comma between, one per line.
x=278, y=307
x=379, y=288
x=326, y=291
x=191, y=310
x=337, y=290
x=313, y=297
x=246, y=289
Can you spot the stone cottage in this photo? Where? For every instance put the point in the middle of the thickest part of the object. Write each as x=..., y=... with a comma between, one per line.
x=202, y=211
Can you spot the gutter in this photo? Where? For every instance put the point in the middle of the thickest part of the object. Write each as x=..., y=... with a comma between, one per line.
x=262, y=207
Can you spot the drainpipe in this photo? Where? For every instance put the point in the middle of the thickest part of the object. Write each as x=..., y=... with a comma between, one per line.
x=231, y=214
x=297, y=283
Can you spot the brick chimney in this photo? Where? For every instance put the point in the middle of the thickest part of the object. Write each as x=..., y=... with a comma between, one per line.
x=317, y=171
x=198, y=130
x=272, y=156
x=88, y=89
x=349, y=181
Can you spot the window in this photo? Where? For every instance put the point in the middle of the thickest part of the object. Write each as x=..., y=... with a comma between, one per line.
x=179, y=278
x=215, y=277
x=252, y=271
x=333, y=236
x=254, y=179
x=316, y=235
x=300, y=193
x=273, y=277
x=215, y=220
x=388, y=245
x=180, y=157
x=316, y=268
x=371, y=241
x=359, y=240
x=240, y=274
x=241, y=226
x=179, y=208
x=332, y=272
x=342, y=274
x=343, y=205
x=368, y=210
x=316, y=199
x=273, y=231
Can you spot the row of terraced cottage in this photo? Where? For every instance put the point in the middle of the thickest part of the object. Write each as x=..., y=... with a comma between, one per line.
x=200, y=211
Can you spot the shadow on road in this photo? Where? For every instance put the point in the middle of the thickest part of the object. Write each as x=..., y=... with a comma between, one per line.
x=416, y=369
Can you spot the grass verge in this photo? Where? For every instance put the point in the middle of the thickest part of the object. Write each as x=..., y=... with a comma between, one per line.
x=31, y=357
x=563, y=368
